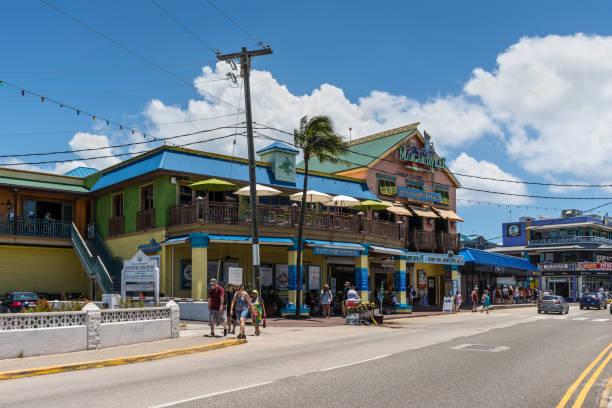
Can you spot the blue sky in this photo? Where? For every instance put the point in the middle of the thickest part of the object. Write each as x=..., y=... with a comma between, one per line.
x=419, y=56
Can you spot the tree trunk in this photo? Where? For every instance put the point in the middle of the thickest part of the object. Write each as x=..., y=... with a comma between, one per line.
x=298, y=298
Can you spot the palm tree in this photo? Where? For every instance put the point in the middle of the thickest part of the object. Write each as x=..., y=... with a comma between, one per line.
x=317, y=138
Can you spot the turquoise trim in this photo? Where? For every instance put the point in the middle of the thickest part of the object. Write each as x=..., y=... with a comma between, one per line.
x=199, y=240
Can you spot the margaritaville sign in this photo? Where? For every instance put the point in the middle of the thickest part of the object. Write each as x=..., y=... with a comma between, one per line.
x=420, y=156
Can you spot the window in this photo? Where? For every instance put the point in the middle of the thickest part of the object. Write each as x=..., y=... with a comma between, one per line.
x=414, y=184
x=386, y=185
x=445, y=198
x=185, y=195
x=118, y=205
x=146, y=198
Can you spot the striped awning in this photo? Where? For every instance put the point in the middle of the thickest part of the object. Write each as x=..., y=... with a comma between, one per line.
x=448, y=214
x=423, y=212
x=398, y=210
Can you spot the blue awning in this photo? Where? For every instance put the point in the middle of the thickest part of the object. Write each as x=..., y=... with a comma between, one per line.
x=233, y=239
x=385, y=250
x=333, y=248
x=334, y=244
x=176, y=241
x=492, y=259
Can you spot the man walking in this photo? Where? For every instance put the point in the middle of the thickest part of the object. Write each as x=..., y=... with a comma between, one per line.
x=347, y=287
x=475, y=299
x=216, y=306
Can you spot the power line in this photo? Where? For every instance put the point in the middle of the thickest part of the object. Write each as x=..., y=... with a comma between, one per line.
x=231, y=20
x=465, y=188
x=461, y=174
x=184, y=27
x=111, y=155
x=155, y=139
x=125, y=48
x=83, y=70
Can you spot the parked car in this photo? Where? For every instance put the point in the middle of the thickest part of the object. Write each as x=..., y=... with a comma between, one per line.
x=16, y=301
x=551, y=303
x=593, y=300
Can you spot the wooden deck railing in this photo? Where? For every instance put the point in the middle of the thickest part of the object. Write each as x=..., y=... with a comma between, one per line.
x=35, y=228
x=448, y=242
x=116, y=226
x=145, y=220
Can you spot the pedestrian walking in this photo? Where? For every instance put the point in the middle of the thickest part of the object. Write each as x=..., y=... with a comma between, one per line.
x=458, y=300
x=347, y=287
x=259, y=312
x=474, y=299
x=231, y=318
x=326, y=299
x=516, y=295
x=486, y=302
x=241, y=304
x=505, y=295
x=498, y=295
x=528, y=294
x=216, y=305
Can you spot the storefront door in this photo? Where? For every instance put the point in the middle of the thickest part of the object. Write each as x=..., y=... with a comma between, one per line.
x=431, y=290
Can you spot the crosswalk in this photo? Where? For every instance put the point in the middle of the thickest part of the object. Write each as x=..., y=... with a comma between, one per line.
x=570, y=318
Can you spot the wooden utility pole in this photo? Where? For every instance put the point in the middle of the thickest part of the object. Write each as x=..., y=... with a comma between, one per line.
x=244, y=57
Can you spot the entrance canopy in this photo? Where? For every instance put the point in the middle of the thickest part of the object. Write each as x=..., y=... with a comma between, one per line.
x=389, y=251
x=475, y=256
x=233, y=239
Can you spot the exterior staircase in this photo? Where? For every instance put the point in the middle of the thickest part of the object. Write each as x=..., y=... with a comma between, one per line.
x=93, y=265
x=113, y=265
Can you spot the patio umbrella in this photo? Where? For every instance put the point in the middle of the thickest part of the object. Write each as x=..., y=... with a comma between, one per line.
x=342, y=201
x=312, y=196
x=260, y=191
x=212, y=185
x=371, y=205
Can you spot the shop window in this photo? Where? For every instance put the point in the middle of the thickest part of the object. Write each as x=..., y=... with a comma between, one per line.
x=146, y=198
x=185, y=195
x=118, y=205
x=386, y=186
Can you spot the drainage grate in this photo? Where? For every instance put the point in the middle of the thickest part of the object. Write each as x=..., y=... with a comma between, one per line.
x=480, y=347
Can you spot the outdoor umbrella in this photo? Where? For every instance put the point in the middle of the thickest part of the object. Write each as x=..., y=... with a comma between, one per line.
x=312, y=196
x=213, y=185
x=371, y=205
x=342, y=201
x=260, y=191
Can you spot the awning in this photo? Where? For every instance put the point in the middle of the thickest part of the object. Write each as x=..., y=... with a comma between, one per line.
x=332, y=248
x=498, y=260
x=423, y=212
x=176, y=241
x=384, y=250
x=448, y=214
x=399, y=210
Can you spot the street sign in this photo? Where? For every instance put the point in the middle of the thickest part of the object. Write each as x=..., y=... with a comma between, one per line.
x=140, y=274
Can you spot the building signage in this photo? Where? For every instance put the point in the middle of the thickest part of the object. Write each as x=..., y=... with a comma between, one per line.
x=416, y=194
x=140, y=274
x=594, y=266
x=416, y=155
x=318, y=250
x=438, y=259
x=555, y=266
x=580, y=268
x=150, y=248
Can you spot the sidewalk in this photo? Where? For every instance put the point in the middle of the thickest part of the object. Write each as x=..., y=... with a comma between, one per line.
x=191, y=336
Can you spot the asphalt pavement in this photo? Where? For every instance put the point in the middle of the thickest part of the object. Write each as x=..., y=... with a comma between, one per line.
x=514, y=358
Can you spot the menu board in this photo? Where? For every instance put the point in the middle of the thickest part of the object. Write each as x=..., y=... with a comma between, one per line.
x=266, y=276
x=282, y=276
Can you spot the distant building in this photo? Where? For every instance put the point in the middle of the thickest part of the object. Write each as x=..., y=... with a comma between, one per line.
x=475, y=241
x=573, y=252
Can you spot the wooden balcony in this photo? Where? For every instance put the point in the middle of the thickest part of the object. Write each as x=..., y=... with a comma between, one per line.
x=116, y=226
x=145, y=220
x=35, y=228
x=423, y=240
x=383, y=229
x=448, y=242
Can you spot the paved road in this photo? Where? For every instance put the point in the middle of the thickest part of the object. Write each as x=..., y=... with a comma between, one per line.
x=414, y=364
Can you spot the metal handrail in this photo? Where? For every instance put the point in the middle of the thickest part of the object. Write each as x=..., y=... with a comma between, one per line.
x=93, y=264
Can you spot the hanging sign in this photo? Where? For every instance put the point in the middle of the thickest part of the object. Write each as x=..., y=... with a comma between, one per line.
x=422, y=195
x=335, y=251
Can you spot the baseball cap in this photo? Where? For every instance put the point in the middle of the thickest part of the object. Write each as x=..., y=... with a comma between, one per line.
x=213, y=280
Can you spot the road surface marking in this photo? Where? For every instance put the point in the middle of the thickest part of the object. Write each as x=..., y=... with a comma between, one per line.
x=589, y=384
x=214, y=394
x=581, y=318
x=581, y=377
x=600, y=320
x=356, y=362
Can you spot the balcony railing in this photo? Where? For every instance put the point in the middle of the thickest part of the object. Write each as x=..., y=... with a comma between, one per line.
x=35, y=228
x=423, y=239
x=145, y=220
x=116, y=226
x=571, y=240
x=448, y=242
x=268, y=215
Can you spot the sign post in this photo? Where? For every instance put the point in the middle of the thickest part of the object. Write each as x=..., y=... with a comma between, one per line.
x=140, y=274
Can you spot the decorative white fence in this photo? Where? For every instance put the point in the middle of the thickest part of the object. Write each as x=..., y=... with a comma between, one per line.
x=31, y=334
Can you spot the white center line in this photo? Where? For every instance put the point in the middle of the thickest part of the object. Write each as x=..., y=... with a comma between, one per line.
x=600, y=320
x=356, y=362
x=246, y=387
x=581, y=318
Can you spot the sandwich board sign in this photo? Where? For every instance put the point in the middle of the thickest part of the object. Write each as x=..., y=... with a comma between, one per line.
x=140, y=274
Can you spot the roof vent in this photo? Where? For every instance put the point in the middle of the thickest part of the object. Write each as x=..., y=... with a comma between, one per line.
x=282, y=160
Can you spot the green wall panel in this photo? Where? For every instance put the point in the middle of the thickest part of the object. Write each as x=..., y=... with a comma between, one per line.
x=103, y=213
x=164, y=196
x=131, y=205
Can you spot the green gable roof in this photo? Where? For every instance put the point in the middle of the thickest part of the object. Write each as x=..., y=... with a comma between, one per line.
x=42, y=184
x=360, y=154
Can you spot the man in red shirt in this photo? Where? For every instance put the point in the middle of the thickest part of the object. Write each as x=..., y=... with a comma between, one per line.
x=216, y=305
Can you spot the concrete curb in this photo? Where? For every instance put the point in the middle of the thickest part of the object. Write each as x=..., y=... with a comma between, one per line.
x=605, y=401
x=31, y=372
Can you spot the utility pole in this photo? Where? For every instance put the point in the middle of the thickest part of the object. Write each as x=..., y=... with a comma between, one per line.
x=245, y=57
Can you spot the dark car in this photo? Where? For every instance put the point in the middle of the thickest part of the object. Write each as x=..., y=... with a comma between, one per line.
x=595, y=300
x=552, y=303
x=16, y=301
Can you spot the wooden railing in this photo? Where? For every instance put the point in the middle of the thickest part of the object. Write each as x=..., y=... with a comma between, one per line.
x=423, y=239
x=383, y=229
x=116, y=226
x=35, y=228
x=145, y=220
x=448, y=242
